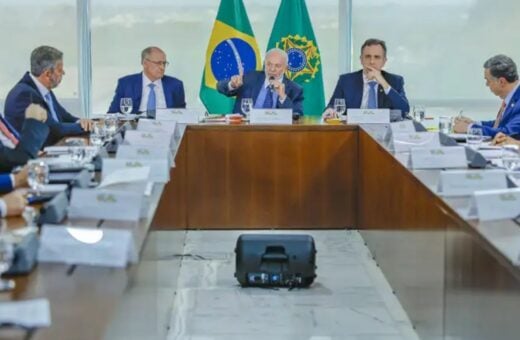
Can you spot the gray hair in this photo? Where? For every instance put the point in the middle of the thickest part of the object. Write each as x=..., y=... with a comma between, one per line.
x=147, y=51
x=501, y=66
x=44, y=58
x=280, y=51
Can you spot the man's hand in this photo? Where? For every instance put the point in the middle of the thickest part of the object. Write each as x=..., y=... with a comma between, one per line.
x=279, y=87
x=502, y=139
x=86, y=124
x=15, y=202
x=20, y=178
x=36, y=112
x=329, y=113
x=375, y=74
x=236, y=81
x=461, y=124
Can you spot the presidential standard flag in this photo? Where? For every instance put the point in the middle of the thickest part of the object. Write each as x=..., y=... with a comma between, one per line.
x=232, y=49
x=292, y=32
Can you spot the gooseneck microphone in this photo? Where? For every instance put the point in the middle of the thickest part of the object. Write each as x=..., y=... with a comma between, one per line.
x=270, y=86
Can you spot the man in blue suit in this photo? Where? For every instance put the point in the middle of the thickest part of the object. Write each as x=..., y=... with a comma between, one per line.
x=268, y=88
x=501, y=77
x=151, y=89
x=36, y=87
x=16, y=149
x=371, y=87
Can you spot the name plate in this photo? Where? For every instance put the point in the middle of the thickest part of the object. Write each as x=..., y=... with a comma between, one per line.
x=159, y=168
x=405, y=126
x=497, y=204
x=134, y=137
x=144, y=152
x=105, y=204
x=150, y=125
x=368, y=116
x=183, y=116
x=466, y=182
x=29, y=313
x=272, y=116
x=404, y=142
x=89, y=246
x=437, y=158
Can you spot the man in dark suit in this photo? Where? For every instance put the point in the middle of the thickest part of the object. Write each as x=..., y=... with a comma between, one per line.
x=268, y=89
x=150, y=89
x=17, y=149
x=501, y=77
x=36, y=87
x=371, y=87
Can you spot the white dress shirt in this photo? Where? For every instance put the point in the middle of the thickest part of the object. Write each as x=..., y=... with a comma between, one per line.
x=160, y=100
x=366, y=88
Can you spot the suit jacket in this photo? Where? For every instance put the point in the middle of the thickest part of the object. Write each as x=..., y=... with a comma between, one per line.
x=5, y=183
x=252, y=84
x=132, y=86
x=24, y=93
x=510, y=122
x=350, y=87
x=34, y=134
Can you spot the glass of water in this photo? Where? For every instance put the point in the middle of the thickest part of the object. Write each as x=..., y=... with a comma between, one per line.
x=474, y=137
x=126, y=105
x=511, y=157
x=97, y=135
x=419, y=113
x=246, y=105
x=339, y=107
x=445, y=125
x=6, y=260
x=110, y=126
x=38, y=175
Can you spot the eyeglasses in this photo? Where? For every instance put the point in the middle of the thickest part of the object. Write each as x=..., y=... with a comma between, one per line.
x=159, y=63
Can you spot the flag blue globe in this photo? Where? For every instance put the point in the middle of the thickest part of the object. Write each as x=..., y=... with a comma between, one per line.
x=297, y=59
x=228, y=55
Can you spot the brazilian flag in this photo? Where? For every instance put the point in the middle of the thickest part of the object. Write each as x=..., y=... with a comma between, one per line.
x=292, y=32
x=232, y=49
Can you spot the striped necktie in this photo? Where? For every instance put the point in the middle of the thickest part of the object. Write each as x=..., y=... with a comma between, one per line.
x=151, y=104
x=500, y=114
x=8, y=131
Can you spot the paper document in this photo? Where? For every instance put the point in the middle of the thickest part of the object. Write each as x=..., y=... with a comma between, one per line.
x=29, y=313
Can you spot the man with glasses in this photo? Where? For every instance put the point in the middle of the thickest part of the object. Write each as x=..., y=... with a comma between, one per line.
x=36, y=87
x=151, y=89
x=371, y=87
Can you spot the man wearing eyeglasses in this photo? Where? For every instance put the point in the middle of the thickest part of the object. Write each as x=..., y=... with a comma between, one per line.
x=151, y=89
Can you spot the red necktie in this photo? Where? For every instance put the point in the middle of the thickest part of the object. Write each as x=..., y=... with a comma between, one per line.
x=499, y=114
x=7, y=133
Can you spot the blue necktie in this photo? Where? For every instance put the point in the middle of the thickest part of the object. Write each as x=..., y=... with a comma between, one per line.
x=268, y=102
x=48, y=99
x=372, y=95
x=150, y=106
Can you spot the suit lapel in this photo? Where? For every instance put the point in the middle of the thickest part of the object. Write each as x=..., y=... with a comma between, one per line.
x=511, y=107
x=358, y=84
x=138, y=92
x=168, y=93
x=258, y=86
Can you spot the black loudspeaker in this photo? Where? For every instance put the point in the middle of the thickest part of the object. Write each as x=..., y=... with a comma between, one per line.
x=275, y=260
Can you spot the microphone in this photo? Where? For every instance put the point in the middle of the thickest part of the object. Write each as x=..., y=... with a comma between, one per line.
x=270, y=86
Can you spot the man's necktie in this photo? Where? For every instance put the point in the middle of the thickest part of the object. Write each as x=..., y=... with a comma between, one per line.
x=500, y=114
x=151, y=106
x=4, y=128
x=50, y=104
x=268, y=102
x=372, y=95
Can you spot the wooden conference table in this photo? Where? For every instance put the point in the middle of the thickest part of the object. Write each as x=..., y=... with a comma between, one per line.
x=450, y=278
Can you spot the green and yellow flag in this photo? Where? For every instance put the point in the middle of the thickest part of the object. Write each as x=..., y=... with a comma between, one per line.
x=292, y=32
x=232, y=49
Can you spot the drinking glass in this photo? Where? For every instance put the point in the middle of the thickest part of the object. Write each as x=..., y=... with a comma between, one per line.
x=445, y=124
x=126, y=105
x=246, y=105
x=419, y=113
x=97, y=135
x=6, y=259
x=339, y=107
x=511, y=157
x=110, y=126
x=474, y=137
x=38, y=175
